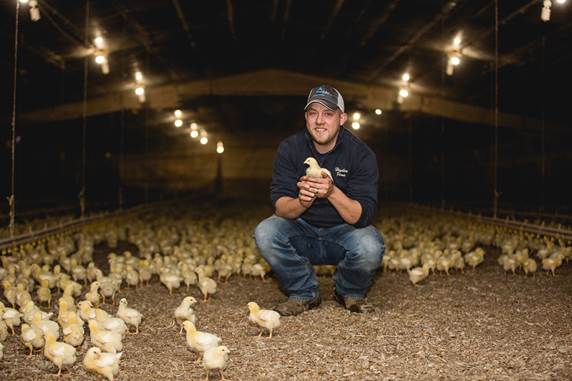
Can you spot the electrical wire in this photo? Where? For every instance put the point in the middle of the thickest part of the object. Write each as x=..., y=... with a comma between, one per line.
x=496, y=193
x=84, y=117
x=12, y=197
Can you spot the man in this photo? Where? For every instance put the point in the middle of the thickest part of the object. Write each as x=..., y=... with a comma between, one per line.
x=323, y=220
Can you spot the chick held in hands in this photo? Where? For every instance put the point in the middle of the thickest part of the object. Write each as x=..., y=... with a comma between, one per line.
x=317, y=183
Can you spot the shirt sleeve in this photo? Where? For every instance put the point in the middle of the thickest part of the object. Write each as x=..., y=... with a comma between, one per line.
x=363, y=187
x=284, y=174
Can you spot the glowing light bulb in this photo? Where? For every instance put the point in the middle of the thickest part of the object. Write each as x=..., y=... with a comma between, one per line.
x=138, y=76
x=455, y=60
x=100, y=59
x=178, y=114
x=378, y=111
x=405, y=77
x=140, y=91
x=561, y=1
x=99, y=42
x=403, y=93
x=204, y=140
x=219, y=147
x=356, y=116
x=194, y=126
x=457, y=41
x=194, y=134
x=178, y=123
x=23, y=1
x=356, y=125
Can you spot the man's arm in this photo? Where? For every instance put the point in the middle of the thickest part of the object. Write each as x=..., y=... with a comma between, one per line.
x=293, y=207
x=350, y=210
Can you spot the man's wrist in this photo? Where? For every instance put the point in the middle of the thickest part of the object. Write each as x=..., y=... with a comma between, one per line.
x=301, y=203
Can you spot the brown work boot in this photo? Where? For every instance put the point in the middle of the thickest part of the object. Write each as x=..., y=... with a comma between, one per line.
x=357, y=305
x=296, y=307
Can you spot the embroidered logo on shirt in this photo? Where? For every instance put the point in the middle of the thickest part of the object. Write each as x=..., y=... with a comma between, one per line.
x=341, y=172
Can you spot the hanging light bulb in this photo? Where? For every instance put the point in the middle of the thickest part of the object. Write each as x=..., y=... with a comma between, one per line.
x=356, y=125
x=545, y=12
x=561, y=1
x=24, y=2
x=405, y=77
x=454, y=60
x=356, y=116
x=457, y=41
x=194, y=134
x=140, y=92
x=178, y=123
x=194, y=126
x=99, y=42
x=378, y=111
x=178, y=114
x=219, y=147
x=403, y=92
x=34, y=10
x=101, y=60
x=138, y=76
x=204, y=140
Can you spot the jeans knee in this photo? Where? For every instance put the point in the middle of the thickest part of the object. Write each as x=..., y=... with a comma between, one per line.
x=267, y=234
x=369, y=250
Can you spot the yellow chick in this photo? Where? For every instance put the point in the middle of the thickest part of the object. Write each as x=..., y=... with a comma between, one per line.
x=264, y=318
x=215, y=358
x=129, y=315
x=44, y=293
x=185, y=312
x=46, y=326
x=32, y=337
x=106, y=364
x=59, y=353
x=93, y=294
x=314, y=169
x=207, y=286
x=529, y=266
x=171, y=281
x=106, y=340
x=200, y=341
x=86, y=310
x=110, y=323
x=11, y=317
x=73, y=331
x=418, y=274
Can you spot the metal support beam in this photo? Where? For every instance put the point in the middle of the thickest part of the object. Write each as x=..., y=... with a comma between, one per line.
x=230, y=18
x=283, y=83
x=332, y=18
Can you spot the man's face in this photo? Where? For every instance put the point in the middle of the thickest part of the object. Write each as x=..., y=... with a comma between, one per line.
x=324, y=125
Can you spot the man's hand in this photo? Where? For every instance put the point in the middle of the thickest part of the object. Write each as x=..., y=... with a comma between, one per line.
x=306, y=192
x=316, y=187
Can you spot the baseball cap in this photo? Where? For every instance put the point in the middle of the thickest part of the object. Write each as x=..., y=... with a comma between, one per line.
x=326, y=96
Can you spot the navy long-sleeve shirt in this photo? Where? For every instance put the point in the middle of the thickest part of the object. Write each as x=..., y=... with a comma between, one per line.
x=353, y=166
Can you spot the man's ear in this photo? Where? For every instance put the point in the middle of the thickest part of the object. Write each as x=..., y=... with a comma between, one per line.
x=343, y=118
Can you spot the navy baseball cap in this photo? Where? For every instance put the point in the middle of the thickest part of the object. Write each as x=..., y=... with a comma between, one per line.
x=326, y=96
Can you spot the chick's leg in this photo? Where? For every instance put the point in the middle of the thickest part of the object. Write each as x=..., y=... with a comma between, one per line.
x=31, y=349
x=270, y=336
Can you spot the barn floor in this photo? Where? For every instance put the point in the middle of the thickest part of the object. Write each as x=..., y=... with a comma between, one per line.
x=480, y=325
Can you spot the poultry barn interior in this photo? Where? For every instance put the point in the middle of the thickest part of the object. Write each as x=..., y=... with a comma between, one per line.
x=138, y=140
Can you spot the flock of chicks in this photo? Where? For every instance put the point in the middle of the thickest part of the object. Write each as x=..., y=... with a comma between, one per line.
x=420, y=244
x=183, y=249
x=176, y=253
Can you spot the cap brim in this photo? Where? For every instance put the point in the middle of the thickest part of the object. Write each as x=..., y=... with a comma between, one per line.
x=323, y=102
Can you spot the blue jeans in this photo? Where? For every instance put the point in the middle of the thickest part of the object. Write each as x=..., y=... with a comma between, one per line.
x=292, y=247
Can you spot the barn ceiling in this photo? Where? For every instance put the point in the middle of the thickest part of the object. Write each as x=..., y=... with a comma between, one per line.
x=363, y=41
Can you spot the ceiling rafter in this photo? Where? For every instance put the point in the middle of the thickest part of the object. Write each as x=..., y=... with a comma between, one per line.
x=230, y=18
x=335, y=10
